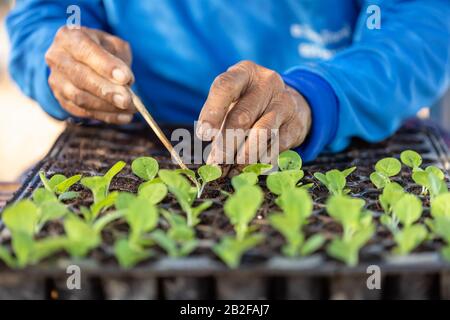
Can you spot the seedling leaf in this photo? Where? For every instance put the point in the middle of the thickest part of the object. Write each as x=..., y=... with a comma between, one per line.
x=154, y=192
x=242, y=206
x=145, y=168
x=129, y=254
x=411, y=159
x=408, y=209
x=244, y=179
x=289, y=160
x=258, y=168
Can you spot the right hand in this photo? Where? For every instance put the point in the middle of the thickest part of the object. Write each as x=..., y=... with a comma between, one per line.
x=90, y=74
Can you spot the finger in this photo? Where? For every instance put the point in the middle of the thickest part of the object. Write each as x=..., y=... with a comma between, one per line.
x=116, y=46
x=70, y=107
x=86, y=50
x=113, y=118
x=88, y=80
x=237, y=123
x=108, y=117
x=225, y=90
x=292, y=133
x=81, y=98
x=265, y=130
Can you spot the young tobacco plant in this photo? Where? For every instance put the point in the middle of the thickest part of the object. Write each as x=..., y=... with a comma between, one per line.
x=407, y=210
x=289, y=164
x=128, y=254
x=185, y=194
x=241, y=212
x=59, y=185
x=230, y=249
x=357, y=225
x=297, y=207
x=22, y=219
x=208, y=173
x=48, y=206
x=81, y=236
x=241, y=208
x=142, y=216
x=440, y=224
x=335, y=180
x=140, y=213
x=432, y=180
x=412, y=159
x=179, y=240
x=99, y=186
x=384, y=170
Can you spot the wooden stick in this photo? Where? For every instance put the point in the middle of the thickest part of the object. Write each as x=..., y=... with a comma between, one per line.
x=156, y=129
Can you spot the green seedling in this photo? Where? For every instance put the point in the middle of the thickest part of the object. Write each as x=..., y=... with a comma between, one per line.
x=179, y=240
x=257, y=168
x=22, y=220
x=335, y=180
x=155, y=192
x=244, y=179
x=142, y=217
x=128, y=254
x=411, y=159
x=90, y=214
x=407, y=210
x=384, y=169
x=145, y=168
x=49, y=208
x=290, y=164
x=440, y=207
x=441, y=226
x=81, y=236
x=230, y=250
x=432, y=180
x=60, y=185
x=392, y=193
x=348, y=250
x=99, y=185
x=297, y=207
x=357, y=225
x=282, y=181
x=28, y=251
x=241, y=208
x=185, y=193
x=289, y=160
x=208, y=173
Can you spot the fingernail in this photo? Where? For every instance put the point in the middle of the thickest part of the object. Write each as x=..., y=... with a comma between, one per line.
x=119, y=101
x=119, y=75
x=125, y=118
x=204, y=131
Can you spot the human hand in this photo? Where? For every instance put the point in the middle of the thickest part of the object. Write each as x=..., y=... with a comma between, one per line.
x=250, y=97
x=90, y=74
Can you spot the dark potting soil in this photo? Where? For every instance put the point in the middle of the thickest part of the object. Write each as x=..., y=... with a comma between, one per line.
x=93, y=150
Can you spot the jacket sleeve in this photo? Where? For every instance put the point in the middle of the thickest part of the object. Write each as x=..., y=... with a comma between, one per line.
x=32, y=25
x=384, y=77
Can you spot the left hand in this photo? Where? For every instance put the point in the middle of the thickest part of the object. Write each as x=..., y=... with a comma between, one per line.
x=256, y=99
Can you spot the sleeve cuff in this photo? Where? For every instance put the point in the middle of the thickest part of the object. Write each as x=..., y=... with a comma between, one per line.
x=324, y=108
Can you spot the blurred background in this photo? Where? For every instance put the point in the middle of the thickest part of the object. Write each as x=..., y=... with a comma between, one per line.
x=26, y=132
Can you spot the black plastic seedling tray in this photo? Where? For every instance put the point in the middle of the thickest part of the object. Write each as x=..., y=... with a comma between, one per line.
x=264, y=273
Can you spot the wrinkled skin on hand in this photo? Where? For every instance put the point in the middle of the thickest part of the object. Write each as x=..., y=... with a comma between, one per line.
x=256, y=99
x=90, y=74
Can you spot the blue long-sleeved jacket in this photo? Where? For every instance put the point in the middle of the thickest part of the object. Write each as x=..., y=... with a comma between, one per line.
x=359, y=81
